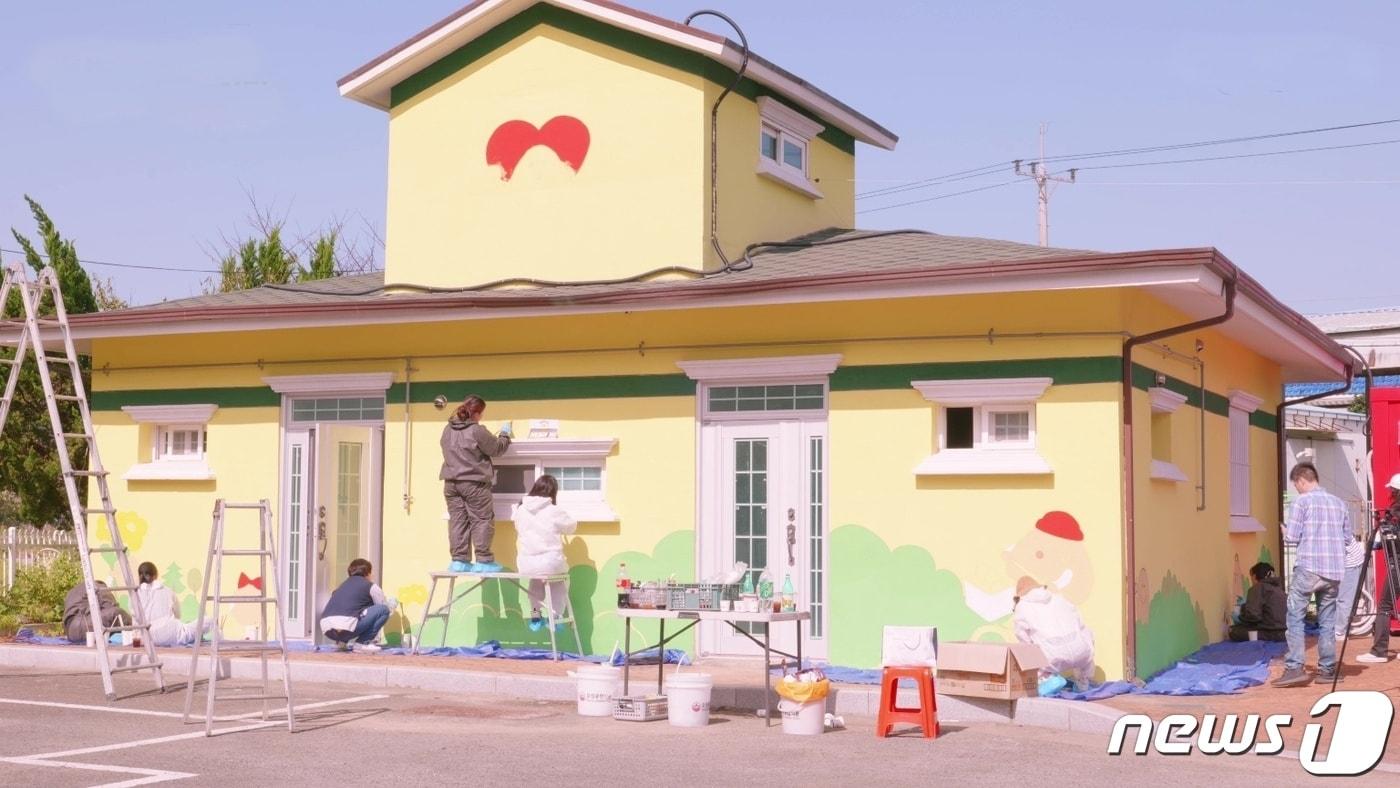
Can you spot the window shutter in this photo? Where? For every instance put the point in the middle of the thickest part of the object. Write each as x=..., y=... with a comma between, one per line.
x=1239, y=462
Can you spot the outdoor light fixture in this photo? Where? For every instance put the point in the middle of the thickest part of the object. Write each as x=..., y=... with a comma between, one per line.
x=440, y=402
x=1161, y=379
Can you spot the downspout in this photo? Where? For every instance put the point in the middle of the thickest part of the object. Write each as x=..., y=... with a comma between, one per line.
x=408, y=434
x=1282, y=437
x=1129, y=474
x=725, y=263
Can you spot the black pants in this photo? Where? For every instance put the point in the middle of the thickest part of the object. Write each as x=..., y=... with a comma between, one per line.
x=1380, y=631
x=1239, y=633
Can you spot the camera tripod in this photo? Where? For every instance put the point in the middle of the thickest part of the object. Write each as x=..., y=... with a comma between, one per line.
x=1387, y=533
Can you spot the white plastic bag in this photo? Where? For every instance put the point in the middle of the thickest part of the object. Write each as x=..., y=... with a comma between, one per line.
x=910, y=647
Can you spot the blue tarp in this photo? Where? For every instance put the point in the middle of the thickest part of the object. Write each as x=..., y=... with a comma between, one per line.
x=1218, y=669
x=27, y=635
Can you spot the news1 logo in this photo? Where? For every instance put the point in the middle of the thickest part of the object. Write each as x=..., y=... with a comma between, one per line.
x=1359, y=732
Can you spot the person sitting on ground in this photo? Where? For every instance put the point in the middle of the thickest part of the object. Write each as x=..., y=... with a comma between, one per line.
x=539, y=526
x=1265, y=608
x=77, y=615
x=158, y=605
x=1052, y=622
x=357, y=610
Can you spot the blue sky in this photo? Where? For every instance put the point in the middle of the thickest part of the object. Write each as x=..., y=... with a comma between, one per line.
x=142, y=126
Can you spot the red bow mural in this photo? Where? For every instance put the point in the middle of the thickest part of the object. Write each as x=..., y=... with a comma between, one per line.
x=244, y=580
x=565, y=135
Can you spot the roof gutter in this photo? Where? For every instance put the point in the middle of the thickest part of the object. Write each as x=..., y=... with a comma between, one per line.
x=1129, y=460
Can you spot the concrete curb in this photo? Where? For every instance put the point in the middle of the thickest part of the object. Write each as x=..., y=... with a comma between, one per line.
x=1050, y=713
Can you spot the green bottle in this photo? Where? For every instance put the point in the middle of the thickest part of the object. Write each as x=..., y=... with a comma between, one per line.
x=748, y=583
x=789, y=603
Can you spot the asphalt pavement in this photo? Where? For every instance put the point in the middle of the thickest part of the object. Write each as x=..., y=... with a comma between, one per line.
x=56, y=730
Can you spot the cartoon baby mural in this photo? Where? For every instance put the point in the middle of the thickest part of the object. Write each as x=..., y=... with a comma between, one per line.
x=1053, y=549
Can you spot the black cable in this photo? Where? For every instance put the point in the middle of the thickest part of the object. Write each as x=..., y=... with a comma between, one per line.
x=1234, y=156
x=942, y=196
x=714, y=130
x=125, y=265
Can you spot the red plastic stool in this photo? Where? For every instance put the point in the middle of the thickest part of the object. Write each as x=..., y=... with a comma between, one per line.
x=925, y=716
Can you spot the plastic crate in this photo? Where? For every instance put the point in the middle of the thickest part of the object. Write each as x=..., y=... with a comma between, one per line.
x=647, y=598
x=640, y=708
x=698, y=596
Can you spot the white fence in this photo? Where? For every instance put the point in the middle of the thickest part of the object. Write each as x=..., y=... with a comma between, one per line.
x=28, y=546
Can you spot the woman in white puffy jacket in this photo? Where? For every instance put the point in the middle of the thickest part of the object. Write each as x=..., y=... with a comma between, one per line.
x=158, y=604
x=539, y=527
x=1053, y=623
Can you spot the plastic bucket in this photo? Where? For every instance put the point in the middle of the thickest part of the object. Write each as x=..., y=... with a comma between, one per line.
x=597, y=686
x=803, y=719
x=688, y=699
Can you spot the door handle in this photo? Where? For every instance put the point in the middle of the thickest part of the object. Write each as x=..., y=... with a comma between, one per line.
x=321, y=534
x=792, y=537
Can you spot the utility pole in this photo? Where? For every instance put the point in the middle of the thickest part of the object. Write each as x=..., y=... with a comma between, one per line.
x=1043, y=179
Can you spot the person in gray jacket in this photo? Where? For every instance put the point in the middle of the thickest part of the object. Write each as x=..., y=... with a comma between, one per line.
x=467, y=475
x=77, y=620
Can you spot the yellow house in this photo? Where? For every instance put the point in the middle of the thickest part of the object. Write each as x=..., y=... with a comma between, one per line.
x=903, y=423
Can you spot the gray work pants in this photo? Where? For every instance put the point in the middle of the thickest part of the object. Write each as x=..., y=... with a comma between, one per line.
x=471, y=521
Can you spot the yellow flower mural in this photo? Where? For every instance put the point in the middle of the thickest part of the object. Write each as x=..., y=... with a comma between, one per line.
x=133, y=528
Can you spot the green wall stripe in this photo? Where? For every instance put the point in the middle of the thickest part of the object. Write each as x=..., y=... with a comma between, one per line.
x=872, y=377
x=637, y=44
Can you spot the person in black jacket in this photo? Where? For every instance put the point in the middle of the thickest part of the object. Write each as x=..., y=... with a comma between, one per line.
x=1265, y=608
x=357, y=610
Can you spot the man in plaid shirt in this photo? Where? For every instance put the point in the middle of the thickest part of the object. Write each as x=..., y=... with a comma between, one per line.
x=1318, y=524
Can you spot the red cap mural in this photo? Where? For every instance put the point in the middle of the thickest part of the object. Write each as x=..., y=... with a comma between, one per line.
x=1060, y=524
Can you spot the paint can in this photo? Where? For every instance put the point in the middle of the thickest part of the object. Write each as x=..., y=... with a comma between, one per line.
x=688, y=699
x=803, y=719
x=597, y=686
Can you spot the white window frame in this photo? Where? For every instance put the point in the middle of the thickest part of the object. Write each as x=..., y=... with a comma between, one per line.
x=1165, y=402
x=586, y=506
x=771, y=371
x=164, y=419
x=789, y=126
x=1241, y=499
x=985, y=397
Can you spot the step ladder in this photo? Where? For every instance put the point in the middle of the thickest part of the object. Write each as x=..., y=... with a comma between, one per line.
x=268, y=595
x=32, y=294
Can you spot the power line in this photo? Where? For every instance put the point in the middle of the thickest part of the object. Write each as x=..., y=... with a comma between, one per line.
x=1235, y=156
x=129, y=265
x=988, y=169
x=1241, y=183
x=940, y=197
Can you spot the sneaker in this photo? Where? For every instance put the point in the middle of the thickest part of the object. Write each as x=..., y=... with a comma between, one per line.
x=1326, y=677
x=1371, y=659
x=1292, y=677
x=488, y=567
x=366, y=648
x=536, y=623
x=342, y=647
x=461, y=566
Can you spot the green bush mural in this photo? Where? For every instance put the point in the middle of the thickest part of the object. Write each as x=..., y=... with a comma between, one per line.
x=1175, y=627
x=871, y=586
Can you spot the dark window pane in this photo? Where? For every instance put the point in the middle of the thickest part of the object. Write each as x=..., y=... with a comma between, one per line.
x=513, y=479
x=959, y=428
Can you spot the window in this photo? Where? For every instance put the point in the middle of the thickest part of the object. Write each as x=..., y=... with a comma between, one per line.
x=784, y=142
x=175, y=442
x=184, y=442
x=578, y=464
x=338, y=409
x=731, y=399
x=1242, y=520
x=984, y=426
x=1164, y=403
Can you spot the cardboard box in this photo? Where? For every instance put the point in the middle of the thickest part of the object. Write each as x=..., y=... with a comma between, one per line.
x=989, y=670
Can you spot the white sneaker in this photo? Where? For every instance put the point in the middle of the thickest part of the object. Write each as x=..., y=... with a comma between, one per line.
x=1372, y=659
x=365, y=648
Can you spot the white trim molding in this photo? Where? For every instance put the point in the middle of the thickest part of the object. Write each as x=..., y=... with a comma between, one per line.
x=1244, y=524
x=1164, y=400
x=330, y=384
x=788, y=177
x=986, y=462
x=773, y=369
x=993, y=391
x=1165, y=471
x=560, y=448
x=787, y=118
x=170, y=471
x=1244, y=401
x=170, y=414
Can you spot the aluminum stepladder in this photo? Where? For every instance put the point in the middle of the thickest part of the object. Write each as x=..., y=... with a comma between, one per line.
x=269, y=594
x=31, y=296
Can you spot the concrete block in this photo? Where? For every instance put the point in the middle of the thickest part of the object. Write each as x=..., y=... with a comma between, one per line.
x=720, y=697
x=438, y=680
x=854, y=701
x=1043, y=713
x=536, y=687
x=953, y=708
x=1091, y=717
x=362, y=675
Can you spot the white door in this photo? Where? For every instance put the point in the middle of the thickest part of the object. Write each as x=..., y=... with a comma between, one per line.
x=347, y=506
x=767, y=482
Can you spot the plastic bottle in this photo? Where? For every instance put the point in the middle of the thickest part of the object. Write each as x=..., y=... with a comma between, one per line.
x=765, y=591
x=748, y=584
x=624, y=587
x=789, y=603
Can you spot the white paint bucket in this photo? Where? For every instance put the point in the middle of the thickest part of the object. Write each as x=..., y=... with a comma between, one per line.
x=803, y=719
x=688, y=699
x=597, y=686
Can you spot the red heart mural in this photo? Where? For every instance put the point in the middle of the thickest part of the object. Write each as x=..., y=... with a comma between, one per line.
x=565, y=135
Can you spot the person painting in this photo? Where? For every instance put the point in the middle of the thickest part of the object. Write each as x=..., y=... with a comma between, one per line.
x=158, y=605
x=1053, y=623
x=357, y=610
x=467, y=475
x=1318, y=523
x=539, y=525
x=1265, y=608
x=77, y=615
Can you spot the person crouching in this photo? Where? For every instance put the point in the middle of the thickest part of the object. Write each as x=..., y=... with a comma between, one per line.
x=539, y=525
x=357, y=610
x=1265, y=609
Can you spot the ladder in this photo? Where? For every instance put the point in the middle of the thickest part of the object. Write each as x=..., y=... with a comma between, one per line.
x=65, y=361
x=269, y=594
